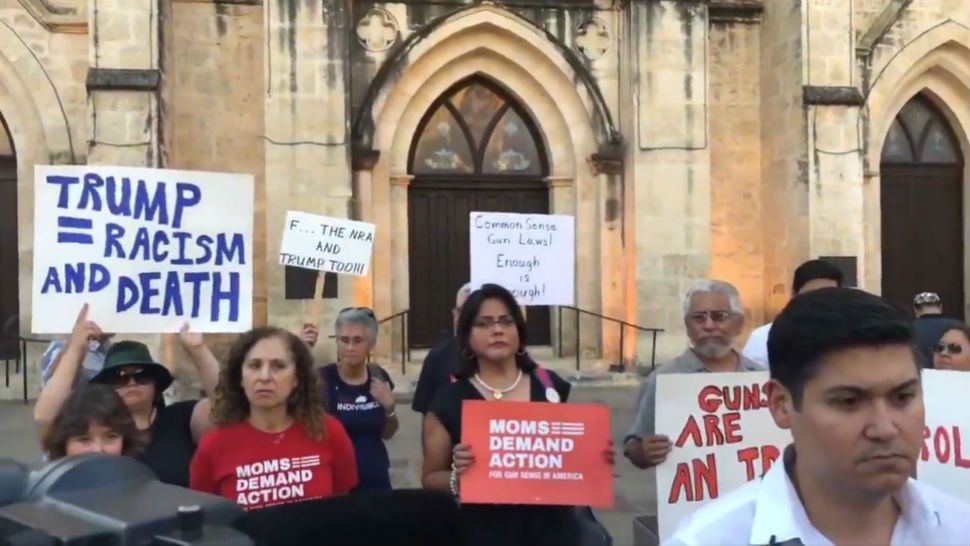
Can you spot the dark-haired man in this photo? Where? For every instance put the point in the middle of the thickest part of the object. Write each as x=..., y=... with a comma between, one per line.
x=846, y=382
x=811, y=275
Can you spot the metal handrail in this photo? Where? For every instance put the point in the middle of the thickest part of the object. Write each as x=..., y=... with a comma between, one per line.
x=622, y=324
x=405, y=346
x=22, y=357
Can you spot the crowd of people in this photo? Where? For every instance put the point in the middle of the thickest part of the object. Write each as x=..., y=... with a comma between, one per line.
x=276, y=429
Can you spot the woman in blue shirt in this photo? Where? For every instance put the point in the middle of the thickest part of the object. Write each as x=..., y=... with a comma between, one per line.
x=360, y=395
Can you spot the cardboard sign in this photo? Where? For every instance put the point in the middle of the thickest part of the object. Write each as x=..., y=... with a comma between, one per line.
x=944, y=459
x=322, y=243
x=536, y=453
x=147, y=249
x=532, y=255
x=723, y=437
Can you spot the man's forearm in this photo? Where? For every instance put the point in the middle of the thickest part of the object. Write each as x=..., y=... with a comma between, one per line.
x=59, y=387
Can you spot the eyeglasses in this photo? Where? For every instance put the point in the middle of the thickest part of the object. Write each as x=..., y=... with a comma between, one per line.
x=952, y=348
x=505, y=321
x=717, y=317
x=366, y=310
x=141, y=376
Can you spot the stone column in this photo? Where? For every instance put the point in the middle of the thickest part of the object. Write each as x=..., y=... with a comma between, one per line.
x=784, y=161
x=669, y=163
x=835, y=156
x=307, y=143
x=123, y=85
x=400, y=273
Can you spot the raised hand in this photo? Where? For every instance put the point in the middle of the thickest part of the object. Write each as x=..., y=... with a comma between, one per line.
x=190, y=340
x=84, y=330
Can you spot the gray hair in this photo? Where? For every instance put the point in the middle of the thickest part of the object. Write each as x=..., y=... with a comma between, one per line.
x=357, y=315
x=716, y=287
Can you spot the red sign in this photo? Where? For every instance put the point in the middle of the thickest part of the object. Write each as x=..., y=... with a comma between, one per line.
x=537, y=453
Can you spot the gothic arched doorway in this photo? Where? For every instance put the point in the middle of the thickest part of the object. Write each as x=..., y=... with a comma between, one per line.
x=475, y=150
x=921, y=206
x=9, y=260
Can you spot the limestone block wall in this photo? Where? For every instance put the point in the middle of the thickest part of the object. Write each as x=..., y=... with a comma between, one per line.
x=669, y=155
x=43, y=102
x=835, y=142
x=307, y=149
x=213, y=107
x=784, y=152
x=737, y=246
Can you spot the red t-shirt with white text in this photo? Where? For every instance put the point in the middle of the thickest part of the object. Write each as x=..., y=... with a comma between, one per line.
x=258, y=469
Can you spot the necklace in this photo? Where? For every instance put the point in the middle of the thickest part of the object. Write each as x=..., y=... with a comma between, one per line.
x=498, y=394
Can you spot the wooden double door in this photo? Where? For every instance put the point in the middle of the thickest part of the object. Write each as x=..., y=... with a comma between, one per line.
x=439, y=255
x=921, y=201
x=9, y=260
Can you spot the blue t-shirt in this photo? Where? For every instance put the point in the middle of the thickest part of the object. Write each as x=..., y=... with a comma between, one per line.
x=364, y=419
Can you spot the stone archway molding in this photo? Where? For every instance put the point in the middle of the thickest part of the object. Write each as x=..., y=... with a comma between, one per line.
x=938, y=60
x=444, y=27
x=31, y=104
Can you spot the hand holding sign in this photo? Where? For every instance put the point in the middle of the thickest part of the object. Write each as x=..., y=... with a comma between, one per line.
x=462, y=457
x=655, y=448
x=309, y=333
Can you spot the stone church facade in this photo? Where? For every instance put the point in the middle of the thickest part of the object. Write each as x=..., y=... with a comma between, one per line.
x=689, y=138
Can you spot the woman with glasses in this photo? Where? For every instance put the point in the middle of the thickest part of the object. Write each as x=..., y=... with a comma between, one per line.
x=171, y=431
x=493, y=366
x=274, y=444
x=952, y=352
x=360, y=395
x=94, y=420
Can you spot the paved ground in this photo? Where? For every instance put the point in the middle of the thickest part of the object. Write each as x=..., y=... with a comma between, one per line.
x=634, y=489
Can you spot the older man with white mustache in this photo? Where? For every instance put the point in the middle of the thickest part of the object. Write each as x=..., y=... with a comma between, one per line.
x=714, y=318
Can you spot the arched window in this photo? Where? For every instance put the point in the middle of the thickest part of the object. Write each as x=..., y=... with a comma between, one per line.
x=476, y=129
x=920, y=134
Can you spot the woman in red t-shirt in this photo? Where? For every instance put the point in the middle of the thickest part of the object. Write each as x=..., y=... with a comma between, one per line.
x=274, y=444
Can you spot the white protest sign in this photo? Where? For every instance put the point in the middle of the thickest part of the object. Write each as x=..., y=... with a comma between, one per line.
x=723, y=437
x=532, y=255
x=322, y=243
x=944, y=459
x=147, y=249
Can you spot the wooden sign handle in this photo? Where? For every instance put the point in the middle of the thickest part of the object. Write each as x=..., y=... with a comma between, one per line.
x=315, y=310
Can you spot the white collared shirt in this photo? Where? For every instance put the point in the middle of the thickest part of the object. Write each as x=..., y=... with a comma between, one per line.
x=756, y=348
x=768, y=511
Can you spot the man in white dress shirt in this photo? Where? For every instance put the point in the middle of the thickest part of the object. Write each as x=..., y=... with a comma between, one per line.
x=846, y=381
x=811, y=275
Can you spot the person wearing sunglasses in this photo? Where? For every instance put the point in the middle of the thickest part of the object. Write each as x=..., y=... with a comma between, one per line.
x=94, y=420
x=360, y=394
x=713, y=317
x=953, y=350
x=171, y=431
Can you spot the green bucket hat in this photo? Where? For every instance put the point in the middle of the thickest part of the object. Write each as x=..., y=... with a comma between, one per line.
x=133, y=353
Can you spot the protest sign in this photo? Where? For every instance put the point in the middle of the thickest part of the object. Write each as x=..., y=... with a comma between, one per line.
x=147, y=249
x=322, y=243
x=723, y=437
x=944, y=459
x=536, y=453
x=532, y=255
